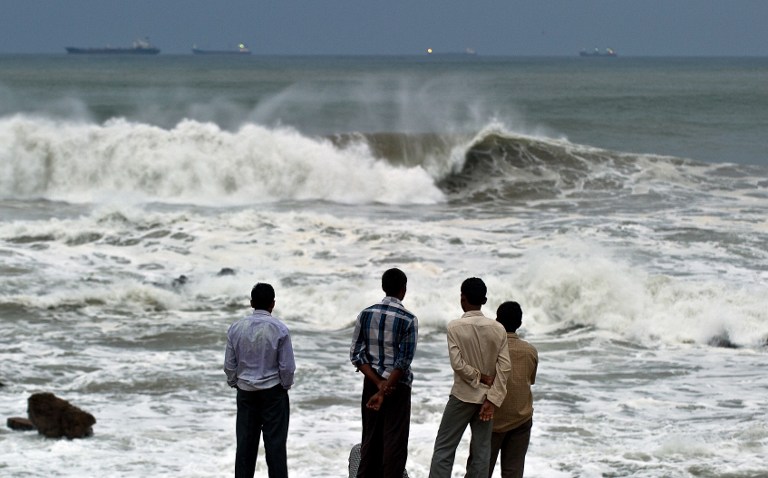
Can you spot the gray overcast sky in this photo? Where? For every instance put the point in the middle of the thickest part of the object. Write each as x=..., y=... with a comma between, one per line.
x=297, y=27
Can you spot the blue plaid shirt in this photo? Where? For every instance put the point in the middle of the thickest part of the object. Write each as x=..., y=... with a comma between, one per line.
x=385, y=338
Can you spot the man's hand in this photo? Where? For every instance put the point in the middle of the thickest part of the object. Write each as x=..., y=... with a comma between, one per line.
x=487, y=379
x=486, y=411
x=374, y=403
x=387, y=387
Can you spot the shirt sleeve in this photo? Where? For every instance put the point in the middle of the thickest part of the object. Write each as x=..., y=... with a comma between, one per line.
x=535, y=367
x=357, y=352
x=230, y=363
x=407, y=347
x=286, y=365
x=468, y=373
x=498, y=390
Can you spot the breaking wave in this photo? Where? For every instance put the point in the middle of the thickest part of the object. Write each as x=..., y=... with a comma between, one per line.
x=200, y=163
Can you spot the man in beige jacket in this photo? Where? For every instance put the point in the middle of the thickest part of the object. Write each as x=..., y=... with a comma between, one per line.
x=477, y=347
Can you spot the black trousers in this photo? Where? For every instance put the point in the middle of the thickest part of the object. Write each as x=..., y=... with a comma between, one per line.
x=384, y=447
x=264, y=411
x=513, y=445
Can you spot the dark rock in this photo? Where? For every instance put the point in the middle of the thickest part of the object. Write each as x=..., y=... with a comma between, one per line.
x=55, y=417
x=722, y=341
x=20, y=423
x=179, y=281
x=226, y=271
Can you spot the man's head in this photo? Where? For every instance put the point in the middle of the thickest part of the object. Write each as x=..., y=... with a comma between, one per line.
x=393, y=281
x=263, y=297
x=510, y=315
x=473, y=292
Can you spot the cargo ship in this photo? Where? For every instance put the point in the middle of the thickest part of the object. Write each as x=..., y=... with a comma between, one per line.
x=140, y=47
x=597, y=52
x=241, y=50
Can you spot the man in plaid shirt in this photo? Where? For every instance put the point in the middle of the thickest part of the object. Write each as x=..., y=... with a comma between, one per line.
x=383, y=345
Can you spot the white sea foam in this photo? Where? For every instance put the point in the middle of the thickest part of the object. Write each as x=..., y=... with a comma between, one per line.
x=134, y=259
x=195, y=163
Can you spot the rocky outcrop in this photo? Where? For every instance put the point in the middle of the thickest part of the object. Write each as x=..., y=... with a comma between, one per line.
x=20, y=423
x=56, y=418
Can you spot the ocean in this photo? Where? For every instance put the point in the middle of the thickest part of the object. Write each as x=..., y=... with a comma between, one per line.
x=621, y=201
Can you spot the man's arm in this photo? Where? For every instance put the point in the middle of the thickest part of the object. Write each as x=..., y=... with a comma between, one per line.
x=406, y=349
x=535, y=366
x=371, y=374
x=498, y=390
x=467, y=372
x=286, y=364
x=358, y=350
x=230, y=363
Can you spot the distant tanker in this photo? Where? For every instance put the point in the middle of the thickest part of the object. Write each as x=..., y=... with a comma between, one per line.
x=241, y=50
x=597, y=52
x=140, y=47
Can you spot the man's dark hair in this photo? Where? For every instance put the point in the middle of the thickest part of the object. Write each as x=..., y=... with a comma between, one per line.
x=262, y=296
x=393, y=281
x=474, y=290
x=510, y=315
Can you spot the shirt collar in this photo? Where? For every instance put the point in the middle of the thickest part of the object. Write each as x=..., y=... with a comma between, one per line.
x=391, y=300
x=473, y=313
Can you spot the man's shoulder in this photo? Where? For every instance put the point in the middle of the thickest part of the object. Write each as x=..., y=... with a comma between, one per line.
x=389, y=307
x=476, y=319
x=463, y=321
x=263, y=320
x=277, y=323
x=517, y=343
x=530, y=347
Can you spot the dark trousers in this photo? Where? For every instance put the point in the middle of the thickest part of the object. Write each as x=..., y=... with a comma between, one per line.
x=384, y=447
x=513, y=445
x=264, y=411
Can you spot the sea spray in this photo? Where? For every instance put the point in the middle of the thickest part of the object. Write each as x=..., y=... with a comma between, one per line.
x=196, y=163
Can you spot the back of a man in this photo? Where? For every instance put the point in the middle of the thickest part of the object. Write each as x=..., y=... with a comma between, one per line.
x=384, y=342
x=477, y=348
x=259, y=363
x=513, y=420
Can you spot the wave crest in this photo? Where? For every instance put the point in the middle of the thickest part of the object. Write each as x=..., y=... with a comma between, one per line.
x=197, y=163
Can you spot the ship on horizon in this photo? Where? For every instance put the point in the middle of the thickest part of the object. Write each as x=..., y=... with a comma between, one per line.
x=596, y=52
x=242, y=49
x=466, y=52
x=140, y=47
